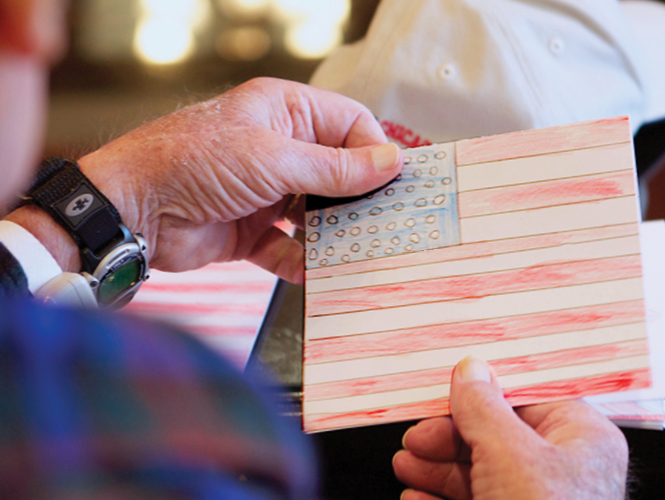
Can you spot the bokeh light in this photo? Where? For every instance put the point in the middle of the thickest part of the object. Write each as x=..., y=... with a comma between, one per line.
x=163, y=41
x=166, y=32
x=313, y=39
x=313, y=28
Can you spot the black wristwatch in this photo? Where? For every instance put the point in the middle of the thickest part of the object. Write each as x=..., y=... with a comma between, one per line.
x=114, y=261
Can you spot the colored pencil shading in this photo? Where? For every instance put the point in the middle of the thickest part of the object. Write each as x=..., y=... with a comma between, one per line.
x=522, y=249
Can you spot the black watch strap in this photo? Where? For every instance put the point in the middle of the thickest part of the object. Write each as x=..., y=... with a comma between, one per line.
x=62, y=190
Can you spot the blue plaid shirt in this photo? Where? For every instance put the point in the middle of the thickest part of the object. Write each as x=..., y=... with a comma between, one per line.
x=105, y=406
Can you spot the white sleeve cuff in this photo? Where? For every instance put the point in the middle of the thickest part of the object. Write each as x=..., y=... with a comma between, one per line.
x=36, y=261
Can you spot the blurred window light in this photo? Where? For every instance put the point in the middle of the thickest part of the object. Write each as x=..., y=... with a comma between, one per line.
x=245, y=44
x=163, y=41
x=249, y=9
x=312, y=40
x=335, y=11
x=166, y=31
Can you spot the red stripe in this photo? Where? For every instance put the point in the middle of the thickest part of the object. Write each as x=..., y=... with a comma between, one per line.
x=543, y=141
x=632, y=409
x=410, y=380
x=239, y=287
x=473, y=287
x=474, y=332
x=426, y=409
x=553, y=391
x=230, y=309
x=545, y=194
x=579, y=388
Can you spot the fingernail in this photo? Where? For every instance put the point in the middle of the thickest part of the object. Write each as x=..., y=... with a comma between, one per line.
x=472, y=369
x=392, y=462
x=385, y=156
x=404, y=436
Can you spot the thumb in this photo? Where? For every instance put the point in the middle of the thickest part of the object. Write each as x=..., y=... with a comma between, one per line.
x=481, y=414
x=335, y=172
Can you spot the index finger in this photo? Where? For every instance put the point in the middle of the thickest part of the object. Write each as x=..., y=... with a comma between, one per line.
x=435, y=439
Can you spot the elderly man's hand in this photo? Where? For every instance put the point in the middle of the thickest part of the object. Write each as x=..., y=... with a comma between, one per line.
x=488, y=451
x=207, y=183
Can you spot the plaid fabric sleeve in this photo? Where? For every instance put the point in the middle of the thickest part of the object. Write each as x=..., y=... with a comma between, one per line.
x=102, y=406
x=13, y=281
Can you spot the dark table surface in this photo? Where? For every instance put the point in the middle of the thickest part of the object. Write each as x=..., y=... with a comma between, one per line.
x=356, y=463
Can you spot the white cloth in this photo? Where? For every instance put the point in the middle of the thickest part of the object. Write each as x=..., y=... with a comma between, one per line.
x=36, y=261
x=647, y=20
x=444, y=70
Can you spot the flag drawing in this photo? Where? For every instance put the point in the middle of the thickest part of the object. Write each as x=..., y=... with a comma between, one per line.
x=522, y=249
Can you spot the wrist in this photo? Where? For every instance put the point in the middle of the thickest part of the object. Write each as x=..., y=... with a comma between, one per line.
x=50, y=234
x=113, y=261
x=115, y=176
x=105, y=175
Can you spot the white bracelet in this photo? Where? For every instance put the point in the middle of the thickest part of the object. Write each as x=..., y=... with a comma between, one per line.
x=36, y=261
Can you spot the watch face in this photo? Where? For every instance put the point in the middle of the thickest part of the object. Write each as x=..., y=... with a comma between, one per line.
x=119, y=280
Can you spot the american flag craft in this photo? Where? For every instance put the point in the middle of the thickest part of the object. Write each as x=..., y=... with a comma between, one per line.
x=222, y=304
x=521, y=249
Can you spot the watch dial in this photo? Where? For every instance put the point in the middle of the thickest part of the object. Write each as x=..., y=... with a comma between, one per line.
x=119, y=280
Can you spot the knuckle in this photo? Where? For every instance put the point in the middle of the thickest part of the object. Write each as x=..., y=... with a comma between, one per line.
x=341, y=179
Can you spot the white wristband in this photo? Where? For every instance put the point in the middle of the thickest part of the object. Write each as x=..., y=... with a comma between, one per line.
x=36, y=261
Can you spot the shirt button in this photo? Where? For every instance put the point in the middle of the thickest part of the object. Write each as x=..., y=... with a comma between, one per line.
x=557, y=46
x=447, y=71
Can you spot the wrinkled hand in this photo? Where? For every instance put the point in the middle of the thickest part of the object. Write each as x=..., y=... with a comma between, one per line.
x=207, y=183
x=560, y=450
